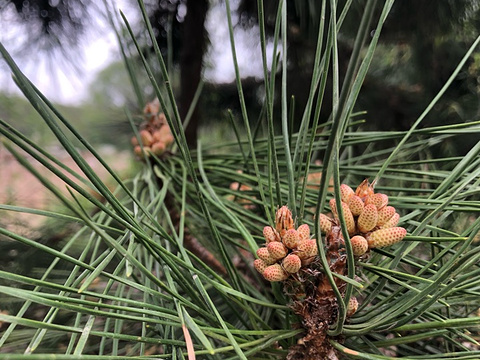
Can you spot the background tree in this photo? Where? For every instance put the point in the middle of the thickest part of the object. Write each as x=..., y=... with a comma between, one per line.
x=58, y=26
x=183, y=21
x=52, y=27
x=423, y=42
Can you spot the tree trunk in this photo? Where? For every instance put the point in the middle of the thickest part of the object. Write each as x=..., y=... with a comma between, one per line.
x=191, y=61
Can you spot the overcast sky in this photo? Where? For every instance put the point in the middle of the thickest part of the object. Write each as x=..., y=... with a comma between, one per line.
x=64, y=83
x=99, y=49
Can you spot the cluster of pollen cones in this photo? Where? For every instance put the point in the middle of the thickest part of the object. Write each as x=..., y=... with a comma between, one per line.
x=287, y=249
x=370, y=221
x=155, y=134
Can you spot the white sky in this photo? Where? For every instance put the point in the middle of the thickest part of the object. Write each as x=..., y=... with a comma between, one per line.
x=65, y=85
x=100, y=49
x=247, y=44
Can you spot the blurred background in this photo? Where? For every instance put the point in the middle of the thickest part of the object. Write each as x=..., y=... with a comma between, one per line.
x=69, y=49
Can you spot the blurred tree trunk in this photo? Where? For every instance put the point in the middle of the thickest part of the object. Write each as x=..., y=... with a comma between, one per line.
x=191, y=62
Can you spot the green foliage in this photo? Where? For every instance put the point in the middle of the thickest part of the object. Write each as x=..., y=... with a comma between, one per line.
x=163, y=267
x=100, y=122
x=31, y=124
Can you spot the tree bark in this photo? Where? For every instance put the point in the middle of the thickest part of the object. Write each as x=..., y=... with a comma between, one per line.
x=191, y=63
